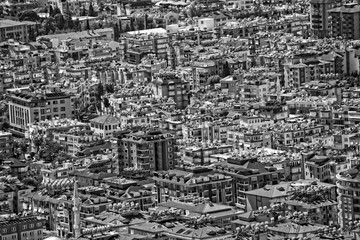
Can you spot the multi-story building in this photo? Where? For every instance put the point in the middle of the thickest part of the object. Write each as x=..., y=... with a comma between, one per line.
x=150, y=150
x=13, y=30
x=125, y=190
x=105, y=126
x=305, y=71
x=197, y=181
x=206, y=131
x=204, y=155
x=140, y=43
x=345, y=21
x=6, y=143
x=319, y=16
x=62, y=172
x=22, y=228
x=248, y=174
x=348, y=183
x=254, y=90
x=27, y=107
x=171, y=86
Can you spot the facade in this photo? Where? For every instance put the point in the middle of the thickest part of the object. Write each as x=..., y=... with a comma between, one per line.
x=13, y=30
x=195, y=182
x=28, y=107
x=105, y=126
x=319, y=16
x=247, y=174
x=151, y=150
x=171, y=86
x=348, y=183
x=345, y=21
x=6, y=144
x=22, y=228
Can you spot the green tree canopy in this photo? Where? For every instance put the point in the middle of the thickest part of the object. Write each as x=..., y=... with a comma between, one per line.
x=29, y=16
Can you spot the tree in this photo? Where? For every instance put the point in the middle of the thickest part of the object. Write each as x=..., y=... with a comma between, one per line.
x=49, y=150
x=109, y=88
x=127, y=28
x=51, y=10
x=29, y=16
x=32, y=34
x=120, y=27
x=132, y=24
x=226, y=69
x=116, y=32
x=38, y=141
x=140, y=24
x=83, y=11
x=106, y=102
x=77, y=25
x=48, y=26
x=91, y=11
x=59, y=21
x=87, y=24
x=100, y=91
x=55, y=12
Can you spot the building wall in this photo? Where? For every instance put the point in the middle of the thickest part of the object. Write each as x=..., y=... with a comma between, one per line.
x=22, y=113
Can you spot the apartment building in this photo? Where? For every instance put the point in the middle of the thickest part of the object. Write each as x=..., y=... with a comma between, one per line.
x=149, y=150
x=138, y=44
x=27, y=107
x=348, y=184
x=6, y=144
x=305, y=71
x=13, y=30
x=247, y=174
x=204, y=155
x=22, y=228
x=172, y=86
x=122, y=190
x=105, y=126
x=206, y=131
x=319, y=16
x=250, y=91
x=196, y=182
x=345, y=21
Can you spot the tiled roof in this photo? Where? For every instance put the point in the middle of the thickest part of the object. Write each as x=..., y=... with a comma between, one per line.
x=105, y=119
x=271, y=191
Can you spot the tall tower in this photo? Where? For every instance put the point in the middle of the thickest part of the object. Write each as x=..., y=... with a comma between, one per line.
x=76, y=210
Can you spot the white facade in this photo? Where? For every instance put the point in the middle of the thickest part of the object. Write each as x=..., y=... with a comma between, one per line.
x=206, y=24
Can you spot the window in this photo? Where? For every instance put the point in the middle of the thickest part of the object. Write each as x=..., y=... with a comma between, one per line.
x=55, y=102
x=63, y=101
x=63, y=109
x=13, y=229
x=24, y=227
x=4, y=230
x=55, y=109
x=48, y=110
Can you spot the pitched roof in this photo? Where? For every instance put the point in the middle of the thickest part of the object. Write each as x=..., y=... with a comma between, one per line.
x=292, y=228
x=105, y=119
x=271, y=191
x=205, y=208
